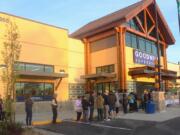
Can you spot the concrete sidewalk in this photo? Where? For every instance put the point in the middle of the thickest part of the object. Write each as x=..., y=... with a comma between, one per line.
x=169, y=113
x=46, y=117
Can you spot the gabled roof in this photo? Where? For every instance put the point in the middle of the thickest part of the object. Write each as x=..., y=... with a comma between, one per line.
x=121, y=16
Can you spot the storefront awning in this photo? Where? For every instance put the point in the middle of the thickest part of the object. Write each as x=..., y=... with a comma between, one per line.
x=41, y=75
x=99, y=75
x=147, y=71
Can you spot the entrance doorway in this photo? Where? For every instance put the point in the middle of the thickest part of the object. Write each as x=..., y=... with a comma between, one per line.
x=102, y=87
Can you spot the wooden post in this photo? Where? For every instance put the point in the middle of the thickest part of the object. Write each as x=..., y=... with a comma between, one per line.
x=87, y=62
x=121, y=68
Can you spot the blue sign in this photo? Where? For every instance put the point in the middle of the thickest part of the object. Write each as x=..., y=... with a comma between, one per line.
x=144, y=58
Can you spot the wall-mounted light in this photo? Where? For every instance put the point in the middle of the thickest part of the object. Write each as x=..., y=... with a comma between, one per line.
x=62, y=71
x=3, y=66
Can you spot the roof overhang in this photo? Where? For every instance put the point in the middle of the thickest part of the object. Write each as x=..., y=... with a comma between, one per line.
x=98, y=76
x=120, y=17
x=41, y=75
x=147, y=71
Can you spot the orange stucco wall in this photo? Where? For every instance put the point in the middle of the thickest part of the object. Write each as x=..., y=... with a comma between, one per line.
x=103, y=57
x=44, y=44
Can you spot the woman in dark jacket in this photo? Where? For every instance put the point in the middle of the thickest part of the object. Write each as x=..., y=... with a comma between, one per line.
x=85, y=106
x=125, y=103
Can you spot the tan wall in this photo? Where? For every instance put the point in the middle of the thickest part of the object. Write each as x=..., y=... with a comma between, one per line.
x=76, y=61
x=174, y=67
x=42, y=44
x=104, y=57
x=130, y=64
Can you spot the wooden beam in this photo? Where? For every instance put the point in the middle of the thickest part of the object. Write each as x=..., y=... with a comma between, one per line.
x=143, y=35
x=160, y=34
x=58, y=83
x=140, y=24
x=117, y=30
x=86, y=61
x=123, y=44
x=150, y=30
x=145, y=20
x=101, y=35
x=150, y=16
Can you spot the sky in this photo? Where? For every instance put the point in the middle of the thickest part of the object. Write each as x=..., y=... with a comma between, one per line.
x=73, y=14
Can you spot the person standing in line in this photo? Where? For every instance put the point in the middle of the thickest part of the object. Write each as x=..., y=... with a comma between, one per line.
x=106, y=106
x=1, y=109
x=117, y=104
x=131, y=102
x=28, y=109
x=91, y=105
x=54, y=105
x=85, y=106
x=112, y=101
x=78, y=108
x=100, y=106
x=125, y=103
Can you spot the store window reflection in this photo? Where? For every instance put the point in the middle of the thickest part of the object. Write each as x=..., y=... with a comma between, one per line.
x=38, y=91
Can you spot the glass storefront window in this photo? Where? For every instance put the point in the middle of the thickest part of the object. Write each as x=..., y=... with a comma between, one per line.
x=38, y=91
x=128, y=39
x=105, y=69
x=134, y=42
x=19, y=90
x=148, y=47
x=20, y=67
x=98, y=70
x=154, y=49
x=48, y=90
x=49, y=69
x=142, y=44
x=34, y=68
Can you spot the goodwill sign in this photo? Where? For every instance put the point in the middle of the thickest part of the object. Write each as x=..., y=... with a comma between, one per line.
x=144, y=58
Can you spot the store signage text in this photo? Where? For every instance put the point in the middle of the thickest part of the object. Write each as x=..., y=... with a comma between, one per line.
x=144, y=58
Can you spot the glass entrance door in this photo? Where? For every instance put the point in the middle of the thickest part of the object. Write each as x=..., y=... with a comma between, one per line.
x=101, y=87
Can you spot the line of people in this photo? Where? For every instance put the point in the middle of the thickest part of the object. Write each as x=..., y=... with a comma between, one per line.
x=107, y=105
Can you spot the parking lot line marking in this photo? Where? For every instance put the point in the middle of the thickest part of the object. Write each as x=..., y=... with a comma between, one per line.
x=99, y=125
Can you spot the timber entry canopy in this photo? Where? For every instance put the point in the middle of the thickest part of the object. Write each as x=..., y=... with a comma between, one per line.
x=122, y=17
x=148, y=71
x=99, y=75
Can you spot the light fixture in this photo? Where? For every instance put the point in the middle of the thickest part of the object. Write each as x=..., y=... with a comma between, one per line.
x=3, y=66
x=62, y=71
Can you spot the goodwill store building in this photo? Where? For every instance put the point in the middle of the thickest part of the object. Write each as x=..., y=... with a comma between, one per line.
x=116, y=51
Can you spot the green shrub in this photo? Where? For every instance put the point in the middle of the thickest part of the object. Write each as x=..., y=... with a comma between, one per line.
x=7, y=128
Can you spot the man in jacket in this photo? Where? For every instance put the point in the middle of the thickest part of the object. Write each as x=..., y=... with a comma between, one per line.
x=54, y=105
x=28, y=109
x=91, y=105
x=100, y=106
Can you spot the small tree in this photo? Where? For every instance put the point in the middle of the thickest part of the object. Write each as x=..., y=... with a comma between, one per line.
x=10, y=54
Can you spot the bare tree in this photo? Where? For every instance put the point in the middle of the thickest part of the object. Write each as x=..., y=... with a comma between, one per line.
x=10, y=54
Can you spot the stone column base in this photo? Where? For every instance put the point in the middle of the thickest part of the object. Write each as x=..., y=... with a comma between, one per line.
x=159, y=99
